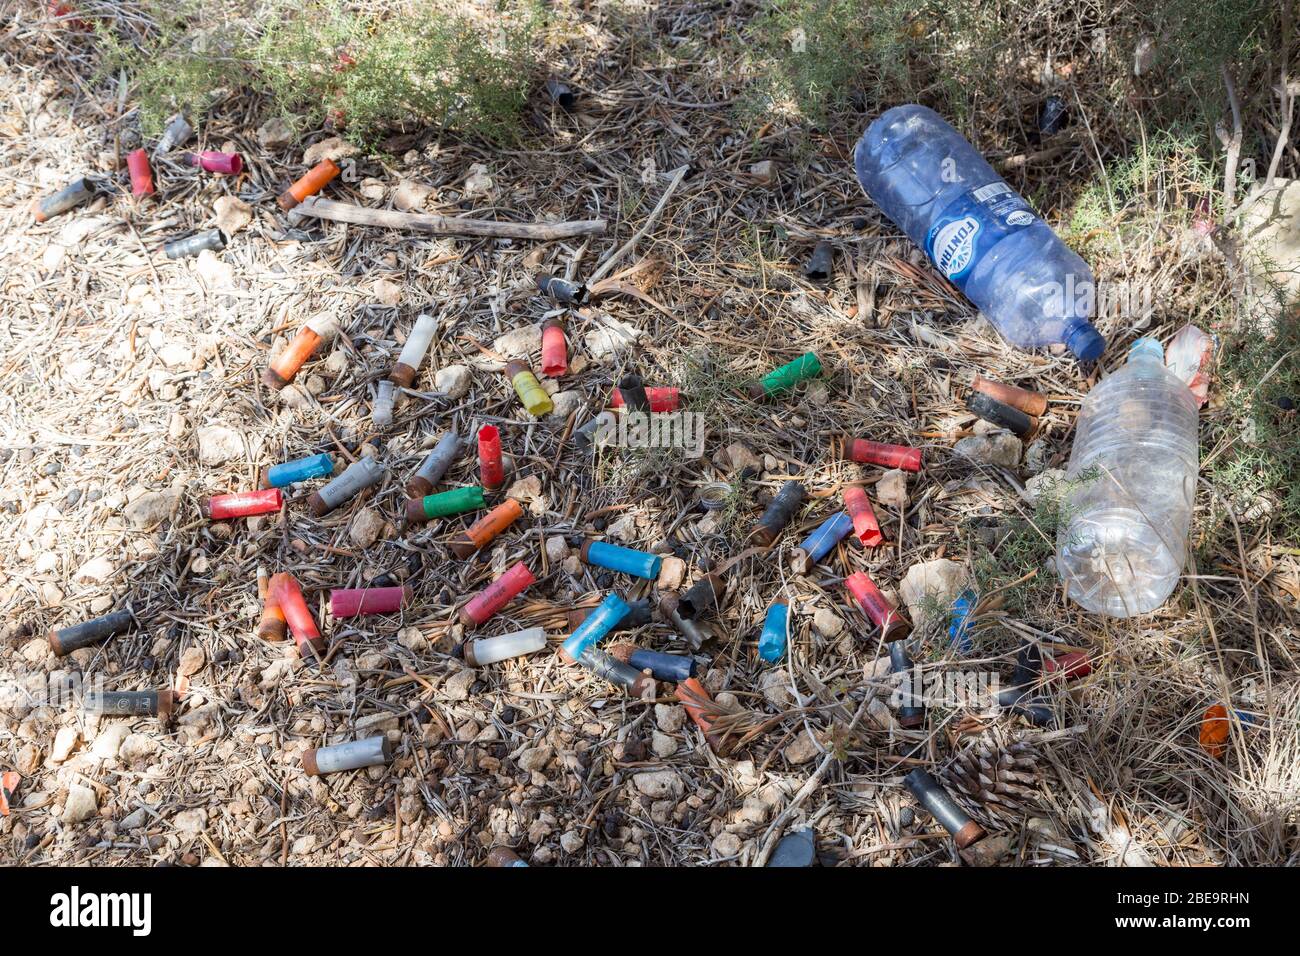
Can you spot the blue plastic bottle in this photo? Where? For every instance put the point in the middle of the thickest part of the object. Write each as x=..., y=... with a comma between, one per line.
x=978, y=231
x=300, y=469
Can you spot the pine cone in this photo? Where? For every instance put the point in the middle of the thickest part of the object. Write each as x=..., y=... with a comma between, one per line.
x=1001, y=777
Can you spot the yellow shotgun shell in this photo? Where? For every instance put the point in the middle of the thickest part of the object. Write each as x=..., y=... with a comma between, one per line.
x=528, y=389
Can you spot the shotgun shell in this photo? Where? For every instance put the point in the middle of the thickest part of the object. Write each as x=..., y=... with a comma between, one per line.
x=555, y=348
x=640, y=564
x=286, y=364
x=910, y=714
x=528, y=389
x=694, y=634
x=617, y=672
x=632, y=389
x=242, y=504
x=598, y=623
x=1031, y=403
x=356, y=478
x=300, y=469
x=562, y=290
x=959, y=621
x=775, y=635
x=886, y=456
x=137, y=164
x=1004, y=416
x=778, y=513
x=381, y=413
x=67, y=639
x=672, y=668
x=486, y=528
x=496, y=595
x=940, y=805
x=352, y=755
x=821, y=263
x=354, y=602
x=310, y=184
x=504, y=856
x=787, y=376
x=1214, y=731
x=490, y=650
x=1071, y=666
x=560, y=94
x=142, y=703
x=891, y=623
x=177, y=133
x=826, y=536
x=413, y=350
x=662, y=398
x=72, y=195
x=434, y=466
x=1024, y=678
x=492, y=472
x=297, y=615
x=698, y=703
x=227, y=164
x=703, y=598
x=9, y=781
x=271, y=626
x=638, y=615
x=213, y=239
x=445, y=503
x=595, y=429
x=865, y=526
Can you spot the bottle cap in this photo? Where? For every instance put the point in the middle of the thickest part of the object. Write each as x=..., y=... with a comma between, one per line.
x=1085, y=342
x=1146, y=347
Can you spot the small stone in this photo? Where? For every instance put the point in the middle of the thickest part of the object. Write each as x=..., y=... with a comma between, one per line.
x=410, y=195
x=65, y=741
x=671, y=574
x=571, y=842
x=795, y=849
x=932, y=586
x=764, y=173
x=177, y=427
x=726, y=845
x=987, y=852
x=519, y=343
x=535, y=758
x=109, y=740
x=137, y=747
x=387, y=292
x=891, y=489
x=151, y=509
x=81, y=803
x=36, y=650
x=366, y=528
x=1001, y=448
x=669, y=718
x=191, y=822
x=191, y=662
x=134, y=820
x=662, y=744
x=232, y=214
x=478, y=182
x=611, y=339
x=218, y=445
x=214, y=272
x=372, y=189
x=775, y=687
x=528, y=490
x=454, y=381
x=335, y=148
x=827, y=623
x=1039, y=484
x=657, y=784
x=96, y=569
x=557, y=549
x=275, y=134
x=566, y=403
x=413, y=639
x=458, y=685
x=740, y=457
x=802, y=749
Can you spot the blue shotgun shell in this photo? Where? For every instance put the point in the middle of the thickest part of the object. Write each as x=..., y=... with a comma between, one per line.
x=599, y=623
x=772, y=642
x=300, y=469
x=963, y=607
x=828, y=534
x=665, y=667
x=640, y=564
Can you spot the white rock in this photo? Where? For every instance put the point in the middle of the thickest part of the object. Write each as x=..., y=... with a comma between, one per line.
x=137, y=747
x=671, y=573
x=387, y=292
x=412, y=639
x=134, y=820
x=214, y=272
x=191, y=822
x=366, y=528
x=669, y=718
x=275, y=134
x=478, y=182
x=663, y=745
x=151, y=509
x=891, y=489
x=827, y=623
x=529, y=491
x=776, y=688
x=219, y=444
x=81, y=803
x=373, y=189
x=334, y=148
x=658, y=784
x=764, y=173
x=232, y=214
x=109, y=740
x=64, y=742
x=96, y=569
x=932, y=585
x=410, y=196
x=457, y=686
x=1002, y=449
x=557, y=549
x=726, y=845
x=535, y=758
x=571, y=842
x=519, y=343
x=566, y=403
x=802, y=749
x=192, y=661
x=454, y=380
x=611, y=339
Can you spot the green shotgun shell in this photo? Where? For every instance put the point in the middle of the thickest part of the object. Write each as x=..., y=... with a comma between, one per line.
x=787, y=376
x=445, y=503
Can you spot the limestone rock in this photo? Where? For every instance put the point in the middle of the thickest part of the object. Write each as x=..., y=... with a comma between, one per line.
x=657, y=784
x=219, y=444
x=232, y=214
x=81, y=803
x=454, y=381
x=1001, y=448
x=891, y=489
x=366, y=528
x=932, y=585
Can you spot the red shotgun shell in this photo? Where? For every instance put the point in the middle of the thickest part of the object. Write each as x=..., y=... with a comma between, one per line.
x=555, y=349
x=869, y=598
x=886, y=456
x=662, y=398
x=137, y=164
x=495, y=596
x=242, y=504
x=297, y=615
x=695, y=699
x=491, y=471
x=865, y=526
x=1070, y=666
x=351, y=602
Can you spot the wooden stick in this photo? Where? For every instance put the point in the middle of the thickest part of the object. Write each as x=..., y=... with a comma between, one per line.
x=444, y=225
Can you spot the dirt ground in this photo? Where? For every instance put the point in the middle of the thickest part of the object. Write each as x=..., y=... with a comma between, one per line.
x=130, y=392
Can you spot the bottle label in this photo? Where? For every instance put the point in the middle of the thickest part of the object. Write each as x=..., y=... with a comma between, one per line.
x=971, y=225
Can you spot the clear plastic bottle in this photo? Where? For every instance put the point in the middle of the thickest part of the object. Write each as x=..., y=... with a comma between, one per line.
x=977, y=231
x=1133, y=471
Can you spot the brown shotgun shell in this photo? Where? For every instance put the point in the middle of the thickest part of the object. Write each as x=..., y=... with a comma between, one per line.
x=166, y=704
x=916, y=720
x=756, y=391
x=309, y=763
x=317, y=644
x=55, y=644
x=317, y=505
x=1031, y=403
x=402, y=375
x=503, y=856
x=703, y=598
x=273, y=379
x=419, y=488
x=415, y=510
x=971, y=833
x=622, y=652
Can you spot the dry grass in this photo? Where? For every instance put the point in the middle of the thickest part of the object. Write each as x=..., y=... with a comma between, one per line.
x=111, y=358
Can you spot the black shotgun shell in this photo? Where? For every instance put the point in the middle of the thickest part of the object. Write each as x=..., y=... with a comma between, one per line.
x=909, y=715
x=143, y=703
x=68, y=639
x=560, y=94
x=778, y=513
x=1000, y=414
x=74, y=194
x=213, y=239
x=703, y=598
x=940, y=805
x=821, y=264
x=634, y=395
x=562, y=290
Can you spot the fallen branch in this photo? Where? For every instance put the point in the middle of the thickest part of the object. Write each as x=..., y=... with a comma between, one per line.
x=444, y=225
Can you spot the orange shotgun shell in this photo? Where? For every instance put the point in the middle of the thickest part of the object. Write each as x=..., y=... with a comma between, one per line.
x=310, y=184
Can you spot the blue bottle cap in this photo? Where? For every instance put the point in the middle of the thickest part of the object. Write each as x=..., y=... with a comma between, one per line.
x=1085, y=342
x=1146, y=348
